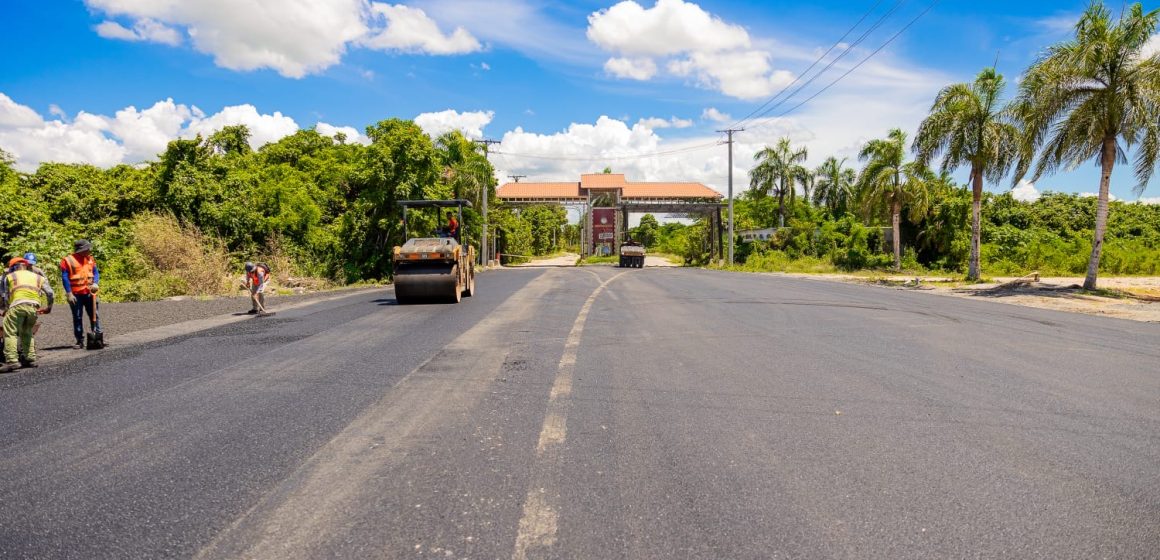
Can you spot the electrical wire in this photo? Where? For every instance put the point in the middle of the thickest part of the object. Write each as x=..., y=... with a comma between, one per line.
x=855, y=67
x=812, y=65
x=850, y=48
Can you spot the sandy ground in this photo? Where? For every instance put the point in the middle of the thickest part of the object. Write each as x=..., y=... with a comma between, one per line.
x=1141, y=301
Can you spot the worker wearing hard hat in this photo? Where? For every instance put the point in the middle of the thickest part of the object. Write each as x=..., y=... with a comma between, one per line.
x=80, y=276
x=20, y=291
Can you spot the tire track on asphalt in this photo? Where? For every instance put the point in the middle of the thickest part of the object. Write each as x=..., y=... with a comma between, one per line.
x=307, y=510
x=539, y=521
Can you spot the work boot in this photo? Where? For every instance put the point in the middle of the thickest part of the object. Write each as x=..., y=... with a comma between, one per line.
x=252, y=312
x=29, y=364
x=9, y=367
x=79, y=345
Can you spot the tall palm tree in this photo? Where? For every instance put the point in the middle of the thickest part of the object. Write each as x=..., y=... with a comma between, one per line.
x=969, y=127
x=778, y=168
x=835, y=185
x=890, y=181
x=1094, y=97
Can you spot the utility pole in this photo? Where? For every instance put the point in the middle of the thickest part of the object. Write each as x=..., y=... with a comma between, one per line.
x=517, y=178
x=486, y=256
x=730, y=132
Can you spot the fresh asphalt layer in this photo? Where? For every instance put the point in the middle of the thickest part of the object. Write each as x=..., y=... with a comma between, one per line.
x=599, y=413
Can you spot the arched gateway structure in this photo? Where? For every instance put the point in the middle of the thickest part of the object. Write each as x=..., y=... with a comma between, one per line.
x=608, y=199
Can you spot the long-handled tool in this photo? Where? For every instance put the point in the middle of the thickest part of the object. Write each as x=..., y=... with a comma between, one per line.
x=94, y=340
x=257, y=302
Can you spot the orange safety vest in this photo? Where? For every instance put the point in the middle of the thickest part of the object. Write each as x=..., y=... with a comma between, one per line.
x=255, y=279
x=80, y=274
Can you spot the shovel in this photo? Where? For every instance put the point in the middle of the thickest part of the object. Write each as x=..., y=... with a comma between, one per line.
x=94, y=340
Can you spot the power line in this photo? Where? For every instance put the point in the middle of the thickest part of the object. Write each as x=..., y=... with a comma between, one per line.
x=812, y=65
x=855, y=67
x=836, y=59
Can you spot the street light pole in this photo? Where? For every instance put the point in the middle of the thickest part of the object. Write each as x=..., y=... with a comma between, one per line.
x=485, y=251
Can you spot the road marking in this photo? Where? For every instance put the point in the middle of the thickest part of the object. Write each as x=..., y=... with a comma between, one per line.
x=537, y=529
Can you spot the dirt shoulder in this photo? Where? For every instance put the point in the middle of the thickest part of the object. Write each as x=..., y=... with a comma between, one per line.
x=1127, y=297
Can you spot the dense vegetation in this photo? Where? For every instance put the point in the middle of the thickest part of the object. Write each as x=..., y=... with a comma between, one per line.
x=322, y=210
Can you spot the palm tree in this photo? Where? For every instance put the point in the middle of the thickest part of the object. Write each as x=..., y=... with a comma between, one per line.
x=835, y=185
x=889, y=181
x=967, y=125
x=1094, y=97
x=778, y=168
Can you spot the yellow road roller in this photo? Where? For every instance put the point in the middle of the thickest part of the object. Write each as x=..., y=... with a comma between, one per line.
x=436, y=269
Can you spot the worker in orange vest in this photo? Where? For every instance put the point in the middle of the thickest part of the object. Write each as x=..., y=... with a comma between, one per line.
x=257, y=277
x=20, y=291
x=80, y=276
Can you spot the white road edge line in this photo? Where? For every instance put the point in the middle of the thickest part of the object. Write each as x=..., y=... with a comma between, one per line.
x=537, y=528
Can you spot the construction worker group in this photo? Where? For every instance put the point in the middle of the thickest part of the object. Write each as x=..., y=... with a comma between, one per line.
x=26, y=294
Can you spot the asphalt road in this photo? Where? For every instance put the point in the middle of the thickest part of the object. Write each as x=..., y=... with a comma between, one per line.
x=598, y=413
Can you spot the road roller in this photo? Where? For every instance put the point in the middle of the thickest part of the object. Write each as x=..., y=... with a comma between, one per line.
x=434, y=269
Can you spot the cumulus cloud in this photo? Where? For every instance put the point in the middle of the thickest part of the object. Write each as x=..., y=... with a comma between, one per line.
x=1148, y=200
x=1152, y=47
x=1111, y=197
x=143, y=30
x=411, y=30
x=657, y=122
x=470, y=123
x=712, y=114
x=131, y=135
x=693, y=43
x=632, y=68
x=1025, y=191
x=352, y=134
x=292, y=37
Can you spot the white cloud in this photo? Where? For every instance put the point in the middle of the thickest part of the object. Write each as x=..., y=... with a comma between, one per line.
x=712, y=114
x=657, y=122
x=144, y=134
x=130, y=135
x=1025, y=191
x=668, y=28
x=13, y=114
x=470, y=123
x=293, y=37
x=263, y=128
x=352, y=133
x=411, y=30
x=693, y=43
x=1111, y=197
x=143, y=30
x=1148, y=200
x=632, y=68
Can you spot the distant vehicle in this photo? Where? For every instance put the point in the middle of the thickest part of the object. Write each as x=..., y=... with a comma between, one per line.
x=434, y=269
x=631, y=254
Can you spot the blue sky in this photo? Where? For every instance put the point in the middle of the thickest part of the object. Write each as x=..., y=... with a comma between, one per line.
x=568, y=87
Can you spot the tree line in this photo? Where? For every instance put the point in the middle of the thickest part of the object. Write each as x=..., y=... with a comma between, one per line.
x=1092, y=98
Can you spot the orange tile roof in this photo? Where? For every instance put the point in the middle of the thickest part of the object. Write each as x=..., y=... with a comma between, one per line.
x=539, y=190
x=602, y=180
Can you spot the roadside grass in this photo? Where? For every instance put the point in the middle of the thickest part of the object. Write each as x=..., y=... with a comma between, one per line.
x=610, y=259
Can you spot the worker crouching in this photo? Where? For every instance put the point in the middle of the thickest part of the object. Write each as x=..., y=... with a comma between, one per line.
x=20, y=291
